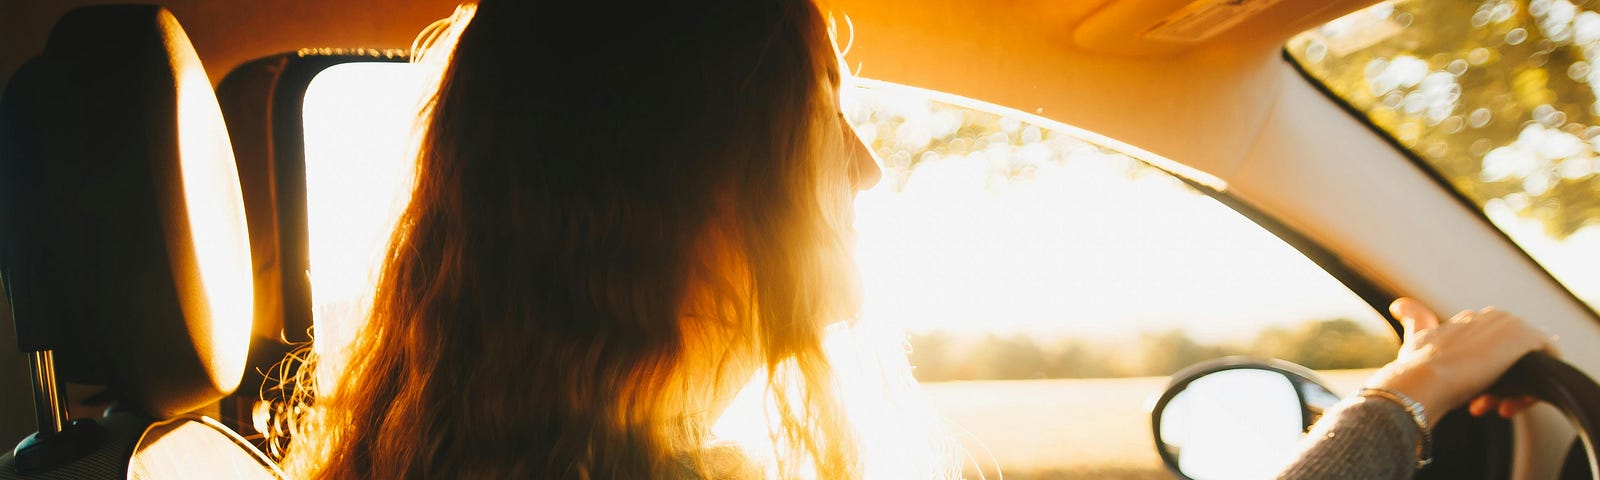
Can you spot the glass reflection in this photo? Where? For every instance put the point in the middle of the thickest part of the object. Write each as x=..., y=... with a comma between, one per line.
x=1233, y=424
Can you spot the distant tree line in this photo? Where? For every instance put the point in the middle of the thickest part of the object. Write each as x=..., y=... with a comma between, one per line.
x=1329, y=344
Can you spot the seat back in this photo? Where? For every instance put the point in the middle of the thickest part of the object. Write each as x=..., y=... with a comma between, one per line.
x=196, y=447
x=123, y=247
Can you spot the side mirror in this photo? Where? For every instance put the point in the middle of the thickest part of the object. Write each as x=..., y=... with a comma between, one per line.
x=1236, y=417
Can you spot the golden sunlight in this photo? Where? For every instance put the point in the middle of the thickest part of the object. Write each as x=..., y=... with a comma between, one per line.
x=359, y=119
x=216, y=222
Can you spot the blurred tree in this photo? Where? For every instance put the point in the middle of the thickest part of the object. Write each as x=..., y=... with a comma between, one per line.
x=1327, y=344
x=931, y=357
x=1013, y=357
x=1075, y=358
x=1167, y=352
x=905, y=132
x=1497, y=95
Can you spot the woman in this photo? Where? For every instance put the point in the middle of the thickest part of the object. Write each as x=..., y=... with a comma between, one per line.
x=608, y=235
x=613, y=228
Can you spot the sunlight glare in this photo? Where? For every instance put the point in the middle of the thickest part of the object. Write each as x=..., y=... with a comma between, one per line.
x=898, y=430
x=359, y=168
x=1095, y=244
x=220, y=237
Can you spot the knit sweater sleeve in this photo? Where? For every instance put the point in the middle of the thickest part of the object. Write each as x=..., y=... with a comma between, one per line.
x=1360, y=438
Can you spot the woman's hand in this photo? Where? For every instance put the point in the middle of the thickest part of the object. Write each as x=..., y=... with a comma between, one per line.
x=1444, y=365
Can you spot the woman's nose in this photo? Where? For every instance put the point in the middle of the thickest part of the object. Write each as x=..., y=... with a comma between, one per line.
x=864, y=171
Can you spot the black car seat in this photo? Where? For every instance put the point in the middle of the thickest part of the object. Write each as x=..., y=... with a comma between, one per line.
x=124, y=251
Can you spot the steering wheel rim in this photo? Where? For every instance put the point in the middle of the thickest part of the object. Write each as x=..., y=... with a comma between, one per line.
x=1563, y=386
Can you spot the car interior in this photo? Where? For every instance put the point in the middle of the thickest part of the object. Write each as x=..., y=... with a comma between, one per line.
x=190, y=191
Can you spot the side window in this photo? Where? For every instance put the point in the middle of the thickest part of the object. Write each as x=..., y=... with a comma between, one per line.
x=1498, y=97
x=359, y=119
x=1050, y=285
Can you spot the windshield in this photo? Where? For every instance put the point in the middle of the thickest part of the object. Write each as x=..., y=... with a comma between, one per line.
x=1043, y=283
x=1498, y=97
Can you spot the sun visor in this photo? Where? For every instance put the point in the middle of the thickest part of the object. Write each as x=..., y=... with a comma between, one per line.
x=123, y=241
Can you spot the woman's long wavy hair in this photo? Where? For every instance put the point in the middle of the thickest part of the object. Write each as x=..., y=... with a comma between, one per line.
x=616, y=209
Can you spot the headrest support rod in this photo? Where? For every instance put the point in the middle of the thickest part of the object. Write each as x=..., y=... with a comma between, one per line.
x=48, y=403
x=59, y=441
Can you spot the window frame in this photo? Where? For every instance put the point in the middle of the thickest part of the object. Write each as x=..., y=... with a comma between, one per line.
x=289, y=174
x=1434, y=175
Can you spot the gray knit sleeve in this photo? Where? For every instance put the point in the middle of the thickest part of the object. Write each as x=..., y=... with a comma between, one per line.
x=1360, y=438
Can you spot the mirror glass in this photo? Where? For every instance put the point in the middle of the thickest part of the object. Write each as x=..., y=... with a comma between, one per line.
x=1233, y=424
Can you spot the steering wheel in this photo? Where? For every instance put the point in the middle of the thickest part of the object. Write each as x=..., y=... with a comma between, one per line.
x=1562, y=386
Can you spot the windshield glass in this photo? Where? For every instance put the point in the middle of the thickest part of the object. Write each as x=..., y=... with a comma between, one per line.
x=1498, y=97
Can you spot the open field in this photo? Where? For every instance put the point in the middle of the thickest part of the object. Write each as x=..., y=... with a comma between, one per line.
x=1057, y=429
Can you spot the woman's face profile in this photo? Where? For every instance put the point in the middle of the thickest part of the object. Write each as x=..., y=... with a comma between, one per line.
x=864, y=171
x=863, y=164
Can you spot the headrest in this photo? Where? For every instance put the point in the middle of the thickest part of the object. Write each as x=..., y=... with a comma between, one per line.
x=123, y=242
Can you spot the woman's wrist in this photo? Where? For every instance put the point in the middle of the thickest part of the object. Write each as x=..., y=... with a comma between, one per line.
x=1416, y=381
